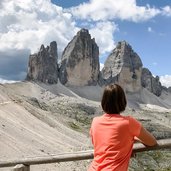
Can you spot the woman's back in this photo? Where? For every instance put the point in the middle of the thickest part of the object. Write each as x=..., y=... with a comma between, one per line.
x=113, y=134
x=113, y=138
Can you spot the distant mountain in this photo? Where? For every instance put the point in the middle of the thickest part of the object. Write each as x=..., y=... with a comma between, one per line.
x=80, y=66
x=43, y=66
x=123, y=66
x=80, y=61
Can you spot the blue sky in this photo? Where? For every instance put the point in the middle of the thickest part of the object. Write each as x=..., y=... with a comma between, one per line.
x=144, y=24
x=151, y=39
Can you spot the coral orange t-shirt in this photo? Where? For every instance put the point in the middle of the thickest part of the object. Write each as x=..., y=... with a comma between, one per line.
x=113, y=137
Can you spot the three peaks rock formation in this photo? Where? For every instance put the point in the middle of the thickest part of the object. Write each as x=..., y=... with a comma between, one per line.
x=80, y=66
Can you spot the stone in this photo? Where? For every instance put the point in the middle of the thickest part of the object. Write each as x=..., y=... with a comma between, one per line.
x=123, y=66
x=150, y=82
x=43, y=65
x=21, y=167
x=80, y=61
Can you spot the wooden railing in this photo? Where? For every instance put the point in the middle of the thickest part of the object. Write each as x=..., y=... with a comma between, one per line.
x=24, y=164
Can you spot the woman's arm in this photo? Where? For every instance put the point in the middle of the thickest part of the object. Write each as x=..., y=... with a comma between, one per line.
x=146, y=137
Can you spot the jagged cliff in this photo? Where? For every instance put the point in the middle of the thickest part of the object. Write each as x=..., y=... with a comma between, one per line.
x=123, y=66
x=43, y=65
x=80, y=66
x=80, y=61
x=151, y=83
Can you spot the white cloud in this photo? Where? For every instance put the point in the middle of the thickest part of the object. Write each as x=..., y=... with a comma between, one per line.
x=101, y=66
x=166, y=11
x=28, y=24
x=162, y=34
x=166, y=80
x=150, y=29
x=2, y=81
x=103, y=33
x=24, y=26
x=155, y=63
x=98, y=10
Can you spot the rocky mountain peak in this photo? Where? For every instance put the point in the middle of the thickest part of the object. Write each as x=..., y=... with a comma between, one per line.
x=80, y=66
x=129, y=56
x=150, y=82
x=42, y=48
x=123, y=66
x=80, y=61
x=43, y=65
x=83, y=32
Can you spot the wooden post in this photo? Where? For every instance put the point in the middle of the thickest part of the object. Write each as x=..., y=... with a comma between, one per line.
x=21, y=167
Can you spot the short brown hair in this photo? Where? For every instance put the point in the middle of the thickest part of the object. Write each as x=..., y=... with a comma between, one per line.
x=113, y=99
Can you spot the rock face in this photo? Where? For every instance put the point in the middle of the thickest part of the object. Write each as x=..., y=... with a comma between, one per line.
x=80, y=61
x=123, y=66
x=169, y=89
x=43, y=65
x=80, y=66
x=151, y=83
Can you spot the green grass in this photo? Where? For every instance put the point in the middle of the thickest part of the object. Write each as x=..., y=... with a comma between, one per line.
x=74, y=126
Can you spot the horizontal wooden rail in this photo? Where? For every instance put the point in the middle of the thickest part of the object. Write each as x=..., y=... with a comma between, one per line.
x=81, y=155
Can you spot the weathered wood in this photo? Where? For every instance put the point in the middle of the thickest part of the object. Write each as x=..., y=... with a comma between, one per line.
x=21, y=167
x=81, y=155
x=162, y=144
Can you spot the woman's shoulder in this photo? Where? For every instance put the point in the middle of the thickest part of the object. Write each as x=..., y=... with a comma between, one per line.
x=97, y=118
x=128, y=117
x=104, y=116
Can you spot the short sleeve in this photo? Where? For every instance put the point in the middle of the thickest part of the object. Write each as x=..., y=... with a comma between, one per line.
x=134, y=126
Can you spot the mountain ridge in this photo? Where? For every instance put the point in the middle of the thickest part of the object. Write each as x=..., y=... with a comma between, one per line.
x=79, y=66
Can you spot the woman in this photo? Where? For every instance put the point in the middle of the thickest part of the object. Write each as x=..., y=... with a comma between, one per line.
x=113, y=135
